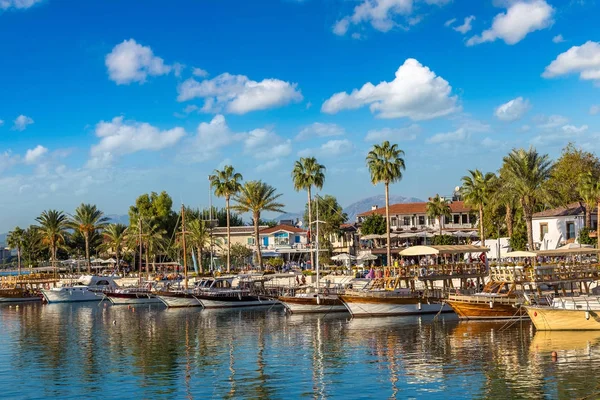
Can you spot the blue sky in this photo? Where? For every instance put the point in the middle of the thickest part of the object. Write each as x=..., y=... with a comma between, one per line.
x=102, y=101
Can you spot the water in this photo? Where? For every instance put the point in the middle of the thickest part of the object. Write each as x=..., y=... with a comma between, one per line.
x=90, y=351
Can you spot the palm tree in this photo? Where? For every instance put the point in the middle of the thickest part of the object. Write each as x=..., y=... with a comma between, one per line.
x=15, y=240
x=589, y=190
x=476, y=191
x=527, y=172
x=115, y=237
x=226, y=183
x=255, y=197
x=87, y=220
x=52, y=229
x=198, y=236
x=506, y=198
x=437, y=208
x=386, y=164
x=307, y=173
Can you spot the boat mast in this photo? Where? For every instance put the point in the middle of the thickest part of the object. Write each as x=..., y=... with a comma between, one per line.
x=140, y=240
x=185, y=272
x=317, y=243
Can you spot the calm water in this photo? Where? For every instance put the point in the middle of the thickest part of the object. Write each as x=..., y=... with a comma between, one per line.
x=90, y=351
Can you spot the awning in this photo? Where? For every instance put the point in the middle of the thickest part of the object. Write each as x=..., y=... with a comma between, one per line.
x=520, y=253
x=448, y=249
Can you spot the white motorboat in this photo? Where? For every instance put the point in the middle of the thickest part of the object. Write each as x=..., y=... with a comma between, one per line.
x=88, y=288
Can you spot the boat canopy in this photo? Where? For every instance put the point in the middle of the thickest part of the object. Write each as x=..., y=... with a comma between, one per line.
x=447, y=249
x=567, y=252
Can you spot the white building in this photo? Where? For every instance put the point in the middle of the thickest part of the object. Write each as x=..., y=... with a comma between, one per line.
x=558, y=226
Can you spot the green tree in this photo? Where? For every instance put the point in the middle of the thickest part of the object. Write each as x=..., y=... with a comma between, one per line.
x=476, y=191
x=52, y=229
x=527, y=173
x=226, y=183
x=198, y=236
x=32, y=245
x=155, y=207
x=114, y=239
x=438, y=208
x=87, y=220
x=220, y=215
x=255, y=197
x=269, y=223
x=443, y=240
x=331, y=212
x=572, y=163
x=374, y=224
x=505, y=198
x=240, y=254
x=14, y=240
x=307, y=173
x=589, y=192
x=386, y=163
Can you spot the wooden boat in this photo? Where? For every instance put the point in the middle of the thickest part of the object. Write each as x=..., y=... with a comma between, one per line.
x=129, y=296
x=486, y=306
x=302, y=303
x=556, y=319
x=221, y=293
x=411, y=290
x=24, y=288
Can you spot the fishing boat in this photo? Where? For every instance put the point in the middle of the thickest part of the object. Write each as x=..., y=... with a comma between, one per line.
x=222, y=293
x=411, y=289
x=510, y=286
x=24, y=288
x=87, y=288
x=128, y=296
x=580, y=313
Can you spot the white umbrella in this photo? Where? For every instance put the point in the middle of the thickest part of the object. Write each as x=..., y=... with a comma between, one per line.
x=109, y=261
x=424, y=235
x=367, y=257
x=462, y=234
x=343, y=257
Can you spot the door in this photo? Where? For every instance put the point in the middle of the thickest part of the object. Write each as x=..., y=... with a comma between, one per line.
x=266, y=241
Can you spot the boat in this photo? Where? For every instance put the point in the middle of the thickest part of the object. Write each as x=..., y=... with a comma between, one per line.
x=87, y=288
x=24, y=288
x=127, y=296
x=579, y=313
x=221, y=293
x=511, y=286
x=411, y=289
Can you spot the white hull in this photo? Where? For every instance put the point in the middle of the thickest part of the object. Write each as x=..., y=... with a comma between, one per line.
x=369, y=309
x=141, y=299
x=231, y=304
x=173, y=301
x=70, y=295
x=313, y=308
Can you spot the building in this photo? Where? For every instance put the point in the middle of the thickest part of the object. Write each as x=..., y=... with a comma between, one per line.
x=413, y=216
x=243, y=235
x=555, y=227
x=347, y=241
x=5, y=254
x=283, y=237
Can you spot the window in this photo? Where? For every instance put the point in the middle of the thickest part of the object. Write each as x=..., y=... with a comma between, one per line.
x=394, y=221
x=406, y=221
x=282, y=239
x=570, y=230
x=446, y=219
x=421, y=220
x=543, y=230
x=465, y=218
x=251, y=241
x=456, y=218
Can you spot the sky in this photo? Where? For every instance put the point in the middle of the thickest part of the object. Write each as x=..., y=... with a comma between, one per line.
x=104, y=100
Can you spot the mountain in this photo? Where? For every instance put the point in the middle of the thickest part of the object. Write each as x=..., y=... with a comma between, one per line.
x=118, y=219
x=365, y=204
x=358, y=207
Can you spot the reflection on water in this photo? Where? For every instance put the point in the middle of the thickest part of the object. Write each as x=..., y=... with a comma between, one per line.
x=90, y=350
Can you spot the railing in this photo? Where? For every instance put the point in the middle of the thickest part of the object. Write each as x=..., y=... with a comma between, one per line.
x=545, y=274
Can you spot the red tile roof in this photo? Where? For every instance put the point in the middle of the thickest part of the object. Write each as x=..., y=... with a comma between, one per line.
x=415, y=208
x=286, y=228
x=569, y=210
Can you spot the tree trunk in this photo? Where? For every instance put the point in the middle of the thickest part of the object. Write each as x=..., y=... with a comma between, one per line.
x=508, y=218
x=440, y=223
x=312, y=255
x=86, y=236
x=387, y=224
x=588, y=217
x=147, y=263
x=200, y=267
x=228, y=236
x=528, y=220
x=53, y=255
x=481, y=232
x=19, y=260
x=117, y=257
x=257, y=240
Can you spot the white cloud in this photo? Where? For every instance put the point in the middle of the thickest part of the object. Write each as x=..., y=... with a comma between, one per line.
x=237, y=94
x=449, y=22
x=202, y=73
x=7, y=160
x=572, y=129
x=131, y=62
x=466, y=26
x=550, y=122
x=178, y=69
x=1, y=122
x=32, y=156
x=331, y=148
x=595, y=109
x=584, y=59
x=319, y=129
x=119, y=137
x=382, y=15
x=525, y=128
x=558, y=39
x=416, y=93
x=520, y=19
x=512, y=110
x=490, y=143
x=21, y=122
x=211, y=136
x=268, y=166
x=393, y=134
x=266, y=144
x=455, y=136
x=18, y=4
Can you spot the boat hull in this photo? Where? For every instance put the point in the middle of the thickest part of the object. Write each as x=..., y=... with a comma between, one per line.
x=133, y=298
x=365, y=306
x=478, y=308
x=234, y=301
x=553, y=319
x=178, y=300
x=308, y=305
x=20, y=299
x=70, y=295
x=17, y=296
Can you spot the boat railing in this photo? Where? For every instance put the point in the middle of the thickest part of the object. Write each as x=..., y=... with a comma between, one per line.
x=545, y=274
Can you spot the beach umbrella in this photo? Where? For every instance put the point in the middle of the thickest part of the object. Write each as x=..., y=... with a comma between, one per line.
x=343, y=257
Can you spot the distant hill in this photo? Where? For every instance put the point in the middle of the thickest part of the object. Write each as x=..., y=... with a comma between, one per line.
x=358, y=207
